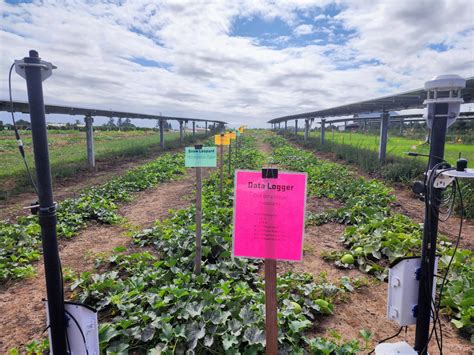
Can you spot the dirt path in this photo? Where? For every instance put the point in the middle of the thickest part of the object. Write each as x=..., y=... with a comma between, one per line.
x=72, y=185
x=23, y=315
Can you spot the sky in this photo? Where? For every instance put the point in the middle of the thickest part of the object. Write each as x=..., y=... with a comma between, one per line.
x=243, y=62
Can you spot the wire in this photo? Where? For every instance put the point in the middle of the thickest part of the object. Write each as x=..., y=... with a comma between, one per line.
x=444, y=281
x=17, y=134
x=80, y=330
x=390, y=337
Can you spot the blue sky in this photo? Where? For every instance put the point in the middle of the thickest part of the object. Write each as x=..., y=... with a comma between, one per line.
x=241, y=61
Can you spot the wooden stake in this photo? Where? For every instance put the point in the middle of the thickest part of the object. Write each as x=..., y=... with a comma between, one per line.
x=222, y=167
x=230, y=155
x=271, y=320
x=197, y=261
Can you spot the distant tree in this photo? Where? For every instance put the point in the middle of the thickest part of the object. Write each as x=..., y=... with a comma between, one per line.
x=111, y=124
x=127, y=125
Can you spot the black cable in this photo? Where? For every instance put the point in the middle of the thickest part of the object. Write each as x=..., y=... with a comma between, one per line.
x=428, y=182
x=15, y=128
x=390, y=337
x=80, y=330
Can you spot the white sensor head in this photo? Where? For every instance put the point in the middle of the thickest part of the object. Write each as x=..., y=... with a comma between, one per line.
x=445, y=83
x=444, y=89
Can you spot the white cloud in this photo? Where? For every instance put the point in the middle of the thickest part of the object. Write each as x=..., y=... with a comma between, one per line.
x=210, y=73
x=302, y=30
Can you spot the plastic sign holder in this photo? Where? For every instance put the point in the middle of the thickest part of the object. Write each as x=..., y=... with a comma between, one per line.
x=221, y=139
x=199, y=156
x=269, y=211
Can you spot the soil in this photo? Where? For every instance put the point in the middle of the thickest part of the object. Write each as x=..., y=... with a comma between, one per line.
x=21, y=302
x=70, y=186
x=364, y=308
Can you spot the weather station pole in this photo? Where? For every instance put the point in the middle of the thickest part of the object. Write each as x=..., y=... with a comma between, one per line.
x=34, y=70
x=442, y=111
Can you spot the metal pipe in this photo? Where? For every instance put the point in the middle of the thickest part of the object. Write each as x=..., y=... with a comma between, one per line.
x=323, y=130
x=430, y=233
x=47, y=207
x=383, y=137
x=162, y=135
x=90, y=141
x=181, y=136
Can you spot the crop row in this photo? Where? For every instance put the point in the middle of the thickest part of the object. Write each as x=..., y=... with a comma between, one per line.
x=20, y=241
x=377, y=236
x=151, y=303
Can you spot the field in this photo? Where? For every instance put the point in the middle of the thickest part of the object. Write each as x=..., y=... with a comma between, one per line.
x=68, y=153
x=128, y=245
x=398, y=146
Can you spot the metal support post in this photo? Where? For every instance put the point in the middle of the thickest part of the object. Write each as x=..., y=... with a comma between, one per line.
x=279, y=125
x=181, y=135
x=90, y=141
x=306, y=129
x=194, y=129
x=401, y=126
x=296, y=127
x=47, y=208
x=323, y=130
x=206, y=128
x=430, y=233
x=383, y=136
x=286, y=125
x=162, y=134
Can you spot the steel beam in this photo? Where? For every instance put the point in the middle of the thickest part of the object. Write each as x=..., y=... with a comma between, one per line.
x=296, y=127
x=306, y=129
x=181, y=135
x=286, y=125
x=194, y=128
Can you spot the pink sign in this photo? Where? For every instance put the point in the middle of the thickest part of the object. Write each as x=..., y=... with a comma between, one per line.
x=269, y=215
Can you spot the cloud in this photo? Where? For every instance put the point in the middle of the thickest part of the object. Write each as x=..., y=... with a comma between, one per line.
x=182, y=59
x=302, y=30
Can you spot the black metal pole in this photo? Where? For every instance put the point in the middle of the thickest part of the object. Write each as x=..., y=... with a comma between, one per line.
x=430, y=233
x=47, y=209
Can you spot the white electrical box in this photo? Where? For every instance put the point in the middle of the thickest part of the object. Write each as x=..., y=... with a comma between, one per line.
x=82, y=328
x=403, y=284
x=400, y=348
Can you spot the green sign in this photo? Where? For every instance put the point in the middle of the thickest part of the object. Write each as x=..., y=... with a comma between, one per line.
x=237, y=132
x=204, y=157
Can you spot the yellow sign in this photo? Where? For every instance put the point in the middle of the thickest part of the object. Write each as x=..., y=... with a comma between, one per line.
x=232, y=135
x=223, y=139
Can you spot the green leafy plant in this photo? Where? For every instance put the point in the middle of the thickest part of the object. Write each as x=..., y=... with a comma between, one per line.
x=159, y=304
x=20, y=241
